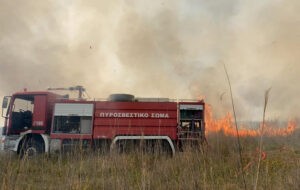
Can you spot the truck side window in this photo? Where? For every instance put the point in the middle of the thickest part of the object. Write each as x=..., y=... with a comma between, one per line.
x=22, y=114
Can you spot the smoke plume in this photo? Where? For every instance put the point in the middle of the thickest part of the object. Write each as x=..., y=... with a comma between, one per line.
x=165, y=48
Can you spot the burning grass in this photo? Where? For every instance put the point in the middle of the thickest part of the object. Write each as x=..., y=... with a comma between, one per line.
x=226, y=126
x=216, y=168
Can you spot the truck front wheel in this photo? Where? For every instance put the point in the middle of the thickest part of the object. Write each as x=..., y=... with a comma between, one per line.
x=31, y=148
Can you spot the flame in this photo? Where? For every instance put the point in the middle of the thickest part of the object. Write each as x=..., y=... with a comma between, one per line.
x=227, y=126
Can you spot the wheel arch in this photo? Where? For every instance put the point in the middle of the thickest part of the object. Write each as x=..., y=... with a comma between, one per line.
x=166, y=138
x=43, y=139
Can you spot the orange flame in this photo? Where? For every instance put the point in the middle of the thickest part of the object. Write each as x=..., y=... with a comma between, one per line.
x=226, y=125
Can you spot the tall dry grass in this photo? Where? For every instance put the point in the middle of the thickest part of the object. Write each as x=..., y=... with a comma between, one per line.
x=215, y=168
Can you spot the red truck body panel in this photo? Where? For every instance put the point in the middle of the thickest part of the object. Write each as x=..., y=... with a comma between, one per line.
x=39, y=112
x=135, y=118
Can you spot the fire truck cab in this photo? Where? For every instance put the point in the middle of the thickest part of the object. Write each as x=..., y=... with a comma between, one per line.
x=27, y=120
x=43, y=122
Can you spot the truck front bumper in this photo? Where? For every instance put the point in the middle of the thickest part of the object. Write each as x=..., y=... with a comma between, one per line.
x=9, y=143
x=2, y=139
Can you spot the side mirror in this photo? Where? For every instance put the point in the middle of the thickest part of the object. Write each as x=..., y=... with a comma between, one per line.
x=5, y=102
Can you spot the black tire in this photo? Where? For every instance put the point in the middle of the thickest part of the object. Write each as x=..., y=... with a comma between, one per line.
x=121, y=98
x=31, y=148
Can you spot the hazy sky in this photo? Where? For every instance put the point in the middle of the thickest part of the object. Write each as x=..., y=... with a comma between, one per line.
x=166, y=48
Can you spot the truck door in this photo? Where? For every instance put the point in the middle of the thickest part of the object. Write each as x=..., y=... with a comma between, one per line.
x=28, y=112
x=21, y=114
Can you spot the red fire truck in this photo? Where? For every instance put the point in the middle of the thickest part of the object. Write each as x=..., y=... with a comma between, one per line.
x=44, y=121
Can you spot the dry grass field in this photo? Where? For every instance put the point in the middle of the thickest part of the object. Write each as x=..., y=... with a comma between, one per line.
x=215, y=168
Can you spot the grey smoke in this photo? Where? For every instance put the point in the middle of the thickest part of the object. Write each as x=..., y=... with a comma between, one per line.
x=164, y=49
